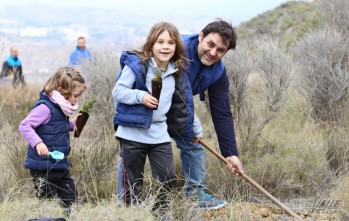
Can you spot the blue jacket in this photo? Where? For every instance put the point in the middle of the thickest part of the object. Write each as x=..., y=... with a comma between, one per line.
x=11, y=65
x=13, y=61
x=78, y=55
x=214, y=79
x=180, y=116
x=55, y=135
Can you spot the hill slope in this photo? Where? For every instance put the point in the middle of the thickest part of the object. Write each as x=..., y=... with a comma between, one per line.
x=287, y=22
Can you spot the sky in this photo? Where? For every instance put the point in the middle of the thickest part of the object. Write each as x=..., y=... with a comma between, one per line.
x=236, y=11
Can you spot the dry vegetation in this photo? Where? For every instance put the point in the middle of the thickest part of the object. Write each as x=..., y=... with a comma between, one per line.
x=291, y=118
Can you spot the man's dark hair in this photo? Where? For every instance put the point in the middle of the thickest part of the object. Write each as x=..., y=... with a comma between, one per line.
x=225, y=29
x=81, y=38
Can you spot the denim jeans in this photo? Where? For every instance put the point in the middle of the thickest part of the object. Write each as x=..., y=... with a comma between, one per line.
x=193, y=167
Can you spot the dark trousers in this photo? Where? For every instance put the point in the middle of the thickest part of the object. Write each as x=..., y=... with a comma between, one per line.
x=18, y=78
x=55, y=183
x=162, y=167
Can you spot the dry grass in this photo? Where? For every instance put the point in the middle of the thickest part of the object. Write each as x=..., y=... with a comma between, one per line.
x=341, y=194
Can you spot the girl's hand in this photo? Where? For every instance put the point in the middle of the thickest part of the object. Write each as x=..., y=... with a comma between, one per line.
x=197, y=139
x=150, y=101
x=76, y=118
x=42, y=150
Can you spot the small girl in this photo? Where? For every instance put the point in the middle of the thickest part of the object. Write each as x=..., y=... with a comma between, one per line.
x=144, y=124
x=46, y=128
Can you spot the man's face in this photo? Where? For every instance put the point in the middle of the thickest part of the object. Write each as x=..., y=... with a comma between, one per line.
x=14, y=52
x=211, y=48
x=81, y=43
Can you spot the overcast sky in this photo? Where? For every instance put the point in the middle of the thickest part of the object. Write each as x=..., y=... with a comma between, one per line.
x=236, y=11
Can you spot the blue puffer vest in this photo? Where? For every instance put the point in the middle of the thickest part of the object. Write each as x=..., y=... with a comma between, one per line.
x=180, y=117
x=55, y=135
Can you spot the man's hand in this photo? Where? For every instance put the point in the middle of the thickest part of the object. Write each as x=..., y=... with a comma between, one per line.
x=150, y=101
x=42, y=149
x=235, y=165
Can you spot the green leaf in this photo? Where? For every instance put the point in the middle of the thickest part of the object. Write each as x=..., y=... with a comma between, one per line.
x=88, y=105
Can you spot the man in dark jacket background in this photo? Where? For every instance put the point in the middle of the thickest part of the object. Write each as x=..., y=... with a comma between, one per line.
x=12, y=67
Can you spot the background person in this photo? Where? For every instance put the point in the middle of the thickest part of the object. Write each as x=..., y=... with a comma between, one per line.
x=80, y=55
x=12, y=67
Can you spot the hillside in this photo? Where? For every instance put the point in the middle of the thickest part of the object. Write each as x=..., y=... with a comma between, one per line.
x=287, y=22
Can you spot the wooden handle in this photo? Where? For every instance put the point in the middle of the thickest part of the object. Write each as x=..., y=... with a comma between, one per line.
x=255, y=184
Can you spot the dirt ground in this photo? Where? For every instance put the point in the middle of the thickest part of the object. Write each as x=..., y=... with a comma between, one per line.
x=264, y=212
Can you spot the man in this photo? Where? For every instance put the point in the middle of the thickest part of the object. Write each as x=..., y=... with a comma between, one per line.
x=12, y=67
x=80, y=54
x=206, y=72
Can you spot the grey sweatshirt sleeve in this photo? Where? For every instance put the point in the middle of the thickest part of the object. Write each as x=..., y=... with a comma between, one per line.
x=123, y=92
x=198, y=131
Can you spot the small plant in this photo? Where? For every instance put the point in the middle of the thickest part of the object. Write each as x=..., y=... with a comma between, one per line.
x=156, y=84
x=88, y=105
x=83, y=116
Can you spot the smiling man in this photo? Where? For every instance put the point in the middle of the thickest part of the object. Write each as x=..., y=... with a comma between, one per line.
x=206, y=72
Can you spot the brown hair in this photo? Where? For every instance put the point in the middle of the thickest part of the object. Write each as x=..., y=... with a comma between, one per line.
x=66, y=78
x=178, y=58
x=225, y=29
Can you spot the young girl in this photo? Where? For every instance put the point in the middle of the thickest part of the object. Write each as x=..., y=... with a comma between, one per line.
x=46, y=128
x=145, y=124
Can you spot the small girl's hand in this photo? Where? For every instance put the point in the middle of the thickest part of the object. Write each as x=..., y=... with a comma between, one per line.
x=42, y=150
x=197, y=139
x=76, y=118
x=150, y=101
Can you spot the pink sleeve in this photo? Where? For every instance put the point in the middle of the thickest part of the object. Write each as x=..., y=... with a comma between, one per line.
x=38, y=116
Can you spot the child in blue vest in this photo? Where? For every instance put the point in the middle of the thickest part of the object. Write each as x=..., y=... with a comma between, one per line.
x=144, y=124
x=46, y=128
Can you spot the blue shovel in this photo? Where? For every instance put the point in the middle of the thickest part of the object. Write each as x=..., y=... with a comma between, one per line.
x=56, y=155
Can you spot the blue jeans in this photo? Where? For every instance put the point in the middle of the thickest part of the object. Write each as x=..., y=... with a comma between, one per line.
x=193, y=167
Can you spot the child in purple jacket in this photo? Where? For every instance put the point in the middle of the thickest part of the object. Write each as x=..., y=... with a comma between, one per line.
x=46, y=128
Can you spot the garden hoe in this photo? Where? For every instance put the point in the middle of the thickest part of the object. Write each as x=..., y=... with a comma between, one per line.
x=256, y=185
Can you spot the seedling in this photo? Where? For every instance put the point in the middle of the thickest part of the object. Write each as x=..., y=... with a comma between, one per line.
x=156, y=85
x=83, y=116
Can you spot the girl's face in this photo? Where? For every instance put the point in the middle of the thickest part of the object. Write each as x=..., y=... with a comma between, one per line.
x=76, y=94
x=163, y=49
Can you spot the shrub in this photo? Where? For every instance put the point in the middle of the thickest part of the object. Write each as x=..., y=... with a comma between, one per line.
x=324, y=77
x=94, y=166
x=336, y=14
x=239, y=65
x=255, y=107
x=94, y=154
x=100, y=76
